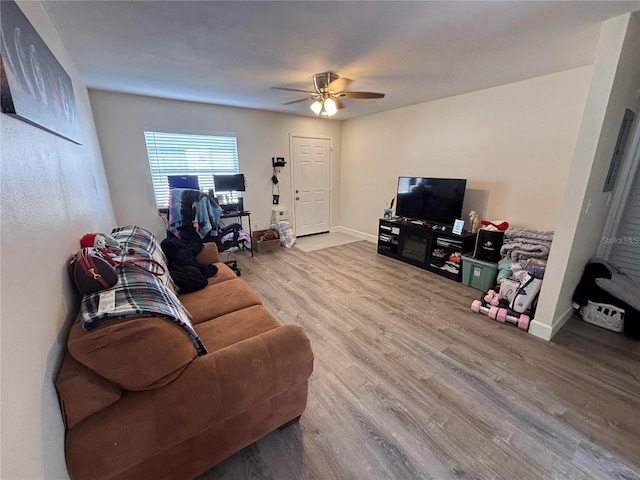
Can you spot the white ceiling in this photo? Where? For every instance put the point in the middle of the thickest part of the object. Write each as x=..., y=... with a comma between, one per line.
x=232, y=53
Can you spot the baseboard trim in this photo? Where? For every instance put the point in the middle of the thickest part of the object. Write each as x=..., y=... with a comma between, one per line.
x=546, y=332
x=356, y=233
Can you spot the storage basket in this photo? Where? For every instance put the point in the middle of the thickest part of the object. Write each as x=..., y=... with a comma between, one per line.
x=264, y=245
x=603, y=315
x=478, y=273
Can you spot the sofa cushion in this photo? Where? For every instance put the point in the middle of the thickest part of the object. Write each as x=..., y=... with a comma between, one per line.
x=208, y=254
x=235, y=327
x=137, y=353
x=219, y=299
x=224, y=273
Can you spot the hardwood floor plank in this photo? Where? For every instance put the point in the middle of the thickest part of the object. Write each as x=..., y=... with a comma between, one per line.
x=600, y=464
x=409, y=383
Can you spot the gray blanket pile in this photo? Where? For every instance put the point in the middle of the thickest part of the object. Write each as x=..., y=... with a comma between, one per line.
x=521, y=244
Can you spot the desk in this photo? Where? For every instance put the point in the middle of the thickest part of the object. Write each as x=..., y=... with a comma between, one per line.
x=240, y=216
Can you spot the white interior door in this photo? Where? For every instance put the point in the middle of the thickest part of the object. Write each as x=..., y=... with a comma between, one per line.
x=311, y=184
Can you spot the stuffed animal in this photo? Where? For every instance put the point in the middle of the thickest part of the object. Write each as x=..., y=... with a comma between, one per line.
x=101, y=241
x=270, y=234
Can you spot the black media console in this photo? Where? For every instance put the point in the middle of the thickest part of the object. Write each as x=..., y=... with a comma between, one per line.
x=424, y=245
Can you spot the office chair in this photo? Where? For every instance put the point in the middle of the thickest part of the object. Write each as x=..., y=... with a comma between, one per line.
x=234, y=241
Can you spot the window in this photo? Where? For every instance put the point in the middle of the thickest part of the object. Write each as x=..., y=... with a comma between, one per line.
x=188, y=154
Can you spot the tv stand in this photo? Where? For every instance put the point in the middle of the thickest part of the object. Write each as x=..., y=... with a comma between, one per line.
x=424, y=245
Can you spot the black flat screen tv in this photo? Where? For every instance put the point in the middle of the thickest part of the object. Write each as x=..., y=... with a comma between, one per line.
x=229, y=183
x=434, y=200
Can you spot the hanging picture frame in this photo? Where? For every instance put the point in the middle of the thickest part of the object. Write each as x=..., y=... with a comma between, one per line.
x=33, y=85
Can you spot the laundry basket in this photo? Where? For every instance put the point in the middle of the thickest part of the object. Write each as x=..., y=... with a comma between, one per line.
x=603, y=315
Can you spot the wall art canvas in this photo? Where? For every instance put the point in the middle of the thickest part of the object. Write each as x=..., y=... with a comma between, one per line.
x=33, y=85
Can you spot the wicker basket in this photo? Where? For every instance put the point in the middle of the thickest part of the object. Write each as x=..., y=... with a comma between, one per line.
x=603, y=315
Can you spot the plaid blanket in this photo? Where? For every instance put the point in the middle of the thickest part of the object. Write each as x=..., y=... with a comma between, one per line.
x=137, y=293
x=137, y=238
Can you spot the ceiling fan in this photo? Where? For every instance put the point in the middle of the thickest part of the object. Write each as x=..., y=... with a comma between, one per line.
x=328, y=90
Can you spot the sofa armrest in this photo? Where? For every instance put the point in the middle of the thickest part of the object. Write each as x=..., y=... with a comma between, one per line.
x=82, y=392
x=208, y=254
x=136, y=353
x=214, y=388
x=241, y=375
x=263, y=366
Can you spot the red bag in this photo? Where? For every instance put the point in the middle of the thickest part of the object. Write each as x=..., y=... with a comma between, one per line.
x=91, y=272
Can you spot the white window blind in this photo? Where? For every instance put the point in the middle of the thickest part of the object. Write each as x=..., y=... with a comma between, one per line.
x=188, y=154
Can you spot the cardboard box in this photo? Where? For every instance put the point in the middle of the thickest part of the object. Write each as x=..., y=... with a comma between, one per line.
x=265, y=245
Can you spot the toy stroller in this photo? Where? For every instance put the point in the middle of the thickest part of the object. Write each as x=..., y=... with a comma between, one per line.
x=515, y=303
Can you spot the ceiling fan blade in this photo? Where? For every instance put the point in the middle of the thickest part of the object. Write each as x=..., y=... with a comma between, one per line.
x=339, y=103
x=360, y=95
x=339, y=84
x=292, y=90
x=297, y=101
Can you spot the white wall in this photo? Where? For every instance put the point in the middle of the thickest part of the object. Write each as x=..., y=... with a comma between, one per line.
x=513, y=144
x=121, y=120
x=53, y=192
x=614, y=87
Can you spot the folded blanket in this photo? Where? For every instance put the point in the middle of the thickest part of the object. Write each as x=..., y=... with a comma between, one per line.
x=522, y=234
x=521, y=250
x=521, y=244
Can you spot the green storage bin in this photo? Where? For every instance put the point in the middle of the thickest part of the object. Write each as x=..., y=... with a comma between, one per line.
x=478, y=273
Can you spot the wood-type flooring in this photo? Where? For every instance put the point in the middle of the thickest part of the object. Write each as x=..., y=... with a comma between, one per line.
x=410, y=384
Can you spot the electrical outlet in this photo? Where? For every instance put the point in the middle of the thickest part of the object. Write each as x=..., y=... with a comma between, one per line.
x=255, y=225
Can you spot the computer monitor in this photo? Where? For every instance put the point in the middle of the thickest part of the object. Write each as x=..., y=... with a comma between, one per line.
x=183, y=181
x=229, y=183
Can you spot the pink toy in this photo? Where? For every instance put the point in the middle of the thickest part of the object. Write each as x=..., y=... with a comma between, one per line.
x=492, y=298
x=522, y=321
x=501, y=315
x=491, y=312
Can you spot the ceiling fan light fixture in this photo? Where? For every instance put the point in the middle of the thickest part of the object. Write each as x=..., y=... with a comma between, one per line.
x=316, y=107
x=330, y=107
x=329, y=90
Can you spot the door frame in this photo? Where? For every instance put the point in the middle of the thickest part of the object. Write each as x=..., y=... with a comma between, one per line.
x=619, y=197
x=293, y=175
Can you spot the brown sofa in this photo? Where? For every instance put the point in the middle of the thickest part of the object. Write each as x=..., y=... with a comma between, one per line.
x=139, y=403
